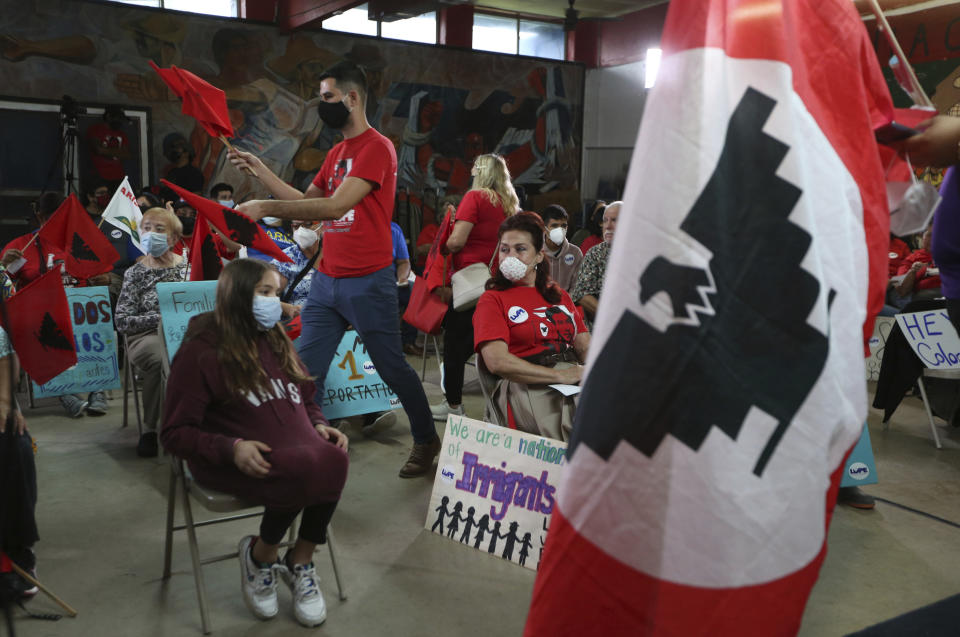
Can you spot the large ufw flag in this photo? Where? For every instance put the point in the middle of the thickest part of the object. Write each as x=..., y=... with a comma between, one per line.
x=724, y=384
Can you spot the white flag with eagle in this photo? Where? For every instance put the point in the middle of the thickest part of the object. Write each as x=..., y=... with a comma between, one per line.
x=724, y=384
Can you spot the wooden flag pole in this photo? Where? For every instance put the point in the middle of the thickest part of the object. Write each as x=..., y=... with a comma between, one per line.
x=25, y=575
x=32, y=239
x=892, y=40
x=223, y=138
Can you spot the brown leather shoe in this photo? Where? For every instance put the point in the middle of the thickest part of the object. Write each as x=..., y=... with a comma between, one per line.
x=413, y=349
x=421, y=459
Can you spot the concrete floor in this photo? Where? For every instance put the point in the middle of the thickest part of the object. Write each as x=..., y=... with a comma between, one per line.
x=101, y=517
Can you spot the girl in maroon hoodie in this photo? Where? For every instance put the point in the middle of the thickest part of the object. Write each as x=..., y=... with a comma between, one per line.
x=240, y=411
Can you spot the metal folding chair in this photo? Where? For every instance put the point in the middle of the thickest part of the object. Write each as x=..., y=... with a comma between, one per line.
x=436, y=350
x=216, y=502
x=130, y=380
x=488, y=384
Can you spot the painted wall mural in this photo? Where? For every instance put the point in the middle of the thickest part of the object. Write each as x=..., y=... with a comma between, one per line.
x=440, y=107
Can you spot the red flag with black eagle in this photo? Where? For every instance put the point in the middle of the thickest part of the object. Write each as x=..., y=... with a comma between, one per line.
x=40, y=327
x=205, y=261
x=88, y=252
x=235, y=225
x=724, y=384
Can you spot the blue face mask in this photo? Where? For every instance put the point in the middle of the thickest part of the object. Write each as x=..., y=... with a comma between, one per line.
x=266, y=310
x=153, y=243
x=227, y=203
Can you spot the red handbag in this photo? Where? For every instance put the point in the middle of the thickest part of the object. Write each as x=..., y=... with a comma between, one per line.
x=426, y=310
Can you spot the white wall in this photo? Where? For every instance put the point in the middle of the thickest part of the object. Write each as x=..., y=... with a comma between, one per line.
x=612, y=106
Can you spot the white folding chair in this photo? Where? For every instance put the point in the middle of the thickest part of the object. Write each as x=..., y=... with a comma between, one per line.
x=216, y=502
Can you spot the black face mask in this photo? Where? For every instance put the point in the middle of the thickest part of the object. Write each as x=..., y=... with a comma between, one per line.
x=188, y=223
x=333, y=114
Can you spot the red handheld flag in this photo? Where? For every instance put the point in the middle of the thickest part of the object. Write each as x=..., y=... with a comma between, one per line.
x=236, y=225
x=40, y=328
x=88, y=252
x=205, y=263
x=720, y=397
x=201, y=100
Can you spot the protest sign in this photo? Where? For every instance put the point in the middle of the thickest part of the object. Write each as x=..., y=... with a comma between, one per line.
x=878, y=343
x=932, y=338
x=179, y=302
x=353, y=385
x=495, y=489
x=860, y=469
x=96, y=343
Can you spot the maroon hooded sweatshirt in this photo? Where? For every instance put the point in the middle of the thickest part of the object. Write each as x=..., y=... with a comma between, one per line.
x=203, y=420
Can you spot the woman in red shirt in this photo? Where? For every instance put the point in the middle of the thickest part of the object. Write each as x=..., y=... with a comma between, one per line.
x=529, y=333
x=240, y=410
x=472, y=240
x=921, y=277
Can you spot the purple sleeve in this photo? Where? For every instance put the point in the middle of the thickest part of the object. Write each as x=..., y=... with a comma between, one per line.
x=946, y=234
x=188, y=395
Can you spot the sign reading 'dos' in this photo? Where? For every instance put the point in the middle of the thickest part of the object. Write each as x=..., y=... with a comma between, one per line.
x=495, y=489
x=96, y=343
x=932, y=337
x=353, y=385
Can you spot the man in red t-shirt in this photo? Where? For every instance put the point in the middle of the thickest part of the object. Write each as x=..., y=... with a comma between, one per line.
x=353, y=195
x=109, y=146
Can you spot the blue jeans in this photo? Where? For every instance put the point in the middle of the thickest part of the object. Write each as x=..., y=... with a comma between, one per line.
x=369, y=303
x=408, y=333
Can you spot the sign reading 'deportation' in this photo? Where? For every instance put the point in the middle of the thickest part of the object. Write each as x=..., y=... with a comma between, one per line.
x=932, y=337
x=96, y=343
x=352, y=386
x=495, y=489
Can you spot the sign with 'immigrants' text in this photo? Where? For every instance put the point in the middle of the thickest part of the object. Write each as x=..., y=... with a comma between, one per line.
x=495, y=489
x=96, y=343
x=932, y=338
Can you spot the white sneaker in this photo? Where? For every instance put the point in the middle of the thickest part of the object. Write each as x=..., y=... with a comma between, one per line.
x=381, y=423
x=259, y=585
x=308, y=605
x=441, y=411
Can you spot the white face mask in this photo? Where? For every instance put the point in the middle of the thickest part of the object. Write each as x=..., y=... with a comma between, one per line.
x=911, y=203
x=305, y=237
x=267, y=310
x=513, y=268
x=271, y=221
x=557, y=235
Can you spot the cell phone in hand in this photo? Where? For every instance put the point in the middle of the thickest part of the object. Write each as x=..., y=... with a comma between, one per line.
x=894, y=132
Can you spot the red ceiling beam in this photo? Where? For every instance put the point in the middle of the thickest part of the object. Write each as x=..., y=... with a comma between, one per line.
x=456, y=26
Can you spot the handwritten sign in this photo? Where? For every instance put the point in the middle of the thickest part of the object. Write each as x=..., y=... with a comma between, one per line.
x=179, y=302
x=878, y=343
x=932, y=338
x=495, y=489
x=861, y=468
x=96, y=342
x=353, y=385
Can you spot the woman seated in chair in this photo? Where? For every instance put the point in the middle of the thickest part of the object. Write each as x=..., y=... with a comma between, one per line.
x=138, y=312
x=529, y=333
x=240, y=410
